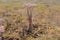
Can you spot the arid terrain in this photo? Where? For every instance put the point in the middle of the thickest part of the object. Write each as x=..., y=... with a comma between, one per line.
x=15, y=20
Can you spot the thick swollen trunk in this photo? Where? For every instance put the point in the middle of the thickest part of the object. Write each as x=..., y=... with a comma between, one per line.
x=29, y=12
x=0, y=36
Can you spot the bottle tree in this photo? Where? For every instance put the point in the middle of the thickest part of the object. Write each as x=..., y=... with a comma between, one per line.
x=30, y=7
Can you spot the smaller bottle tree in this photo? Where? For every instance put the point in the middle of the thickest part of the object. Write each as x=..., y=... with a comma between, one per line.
x=2, y=29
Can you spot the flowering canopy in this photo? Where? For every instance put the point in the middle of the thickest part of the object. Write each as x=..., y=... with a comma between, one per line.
x=29, y=5
x=1, y=29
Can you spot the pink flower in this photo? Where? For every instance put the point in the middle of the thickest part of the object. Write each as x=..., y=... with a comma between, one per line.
x=30, y=5
x=2, y=29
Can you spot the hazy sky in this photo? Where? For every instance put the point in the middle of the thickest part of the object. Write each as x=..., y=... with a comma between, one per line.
x=57, y=2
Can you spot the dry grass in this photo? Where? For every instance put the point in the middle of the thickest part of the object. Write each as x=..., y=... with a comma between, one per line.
x=44, y=18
